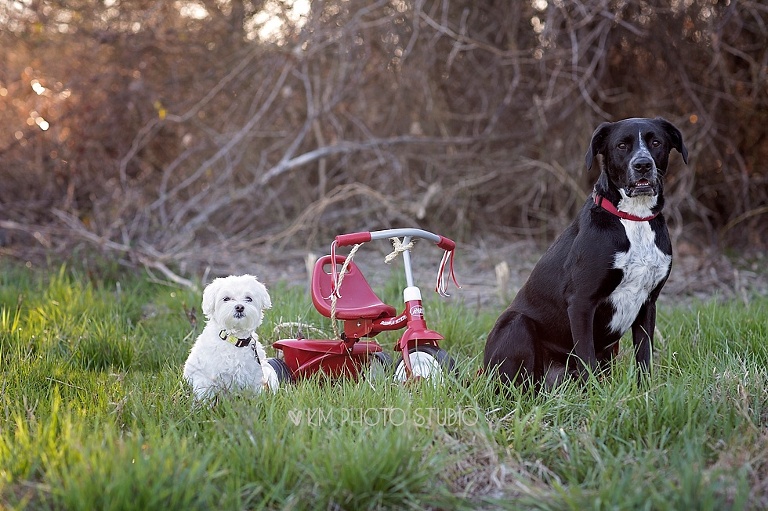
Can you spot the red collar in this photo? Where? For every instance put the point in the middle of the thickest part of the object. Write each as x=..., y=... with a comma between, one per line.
x=610, y=208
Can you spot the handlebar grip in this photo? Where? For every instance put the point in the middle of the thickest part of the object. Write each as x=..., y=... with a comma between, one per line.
x=446, y=243
x=353, y=238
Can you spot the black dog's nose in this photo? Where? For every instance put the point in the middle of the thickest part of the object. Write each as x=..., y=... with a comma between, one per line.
x=642, y=165
x=239, y=308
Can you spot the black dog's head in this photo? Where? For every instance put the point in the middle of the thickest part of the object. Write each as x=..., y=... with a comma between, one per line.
x=635, y=153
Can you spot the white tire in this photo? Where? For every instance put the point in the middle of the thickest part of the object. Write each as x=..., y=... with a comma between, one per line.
x=427, y=362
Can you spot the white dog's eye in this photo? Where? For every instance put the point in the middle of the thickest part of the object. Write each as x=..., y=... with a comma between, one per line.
x=248, y=299
x=226, y=299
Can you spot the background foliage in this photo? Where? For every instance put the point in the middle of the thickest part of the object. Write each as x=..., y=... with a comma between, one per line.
x=158, y=130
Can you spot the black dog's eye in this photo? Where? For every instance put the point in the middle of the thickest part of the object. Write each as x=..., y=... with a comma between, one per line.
x=656, y=143
x=622, y=146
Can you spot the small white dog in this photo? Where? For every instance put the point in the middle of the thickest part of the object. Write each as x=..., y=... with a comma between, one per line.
x=228, y=355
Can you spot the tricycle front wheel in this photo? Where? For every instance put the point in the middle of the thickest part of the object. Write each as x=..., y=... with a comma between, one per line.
x=427, y=362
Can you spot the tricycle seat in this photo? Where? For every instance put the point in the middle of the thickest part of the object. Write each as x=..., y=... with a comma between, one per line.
x=357, y=301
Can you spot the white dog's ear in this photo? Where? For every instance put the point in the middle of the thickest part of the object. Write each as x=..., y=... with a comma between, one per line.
x=209, y=297
x=261, y=294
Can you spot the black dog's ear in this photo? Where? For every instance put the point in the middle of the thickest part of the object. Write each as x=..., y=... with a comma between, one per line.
x=675, y=137
x=597, y=146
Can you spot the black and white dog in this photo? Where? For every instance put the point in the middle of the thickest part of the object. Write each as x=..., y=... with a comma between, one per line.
x=605, y=271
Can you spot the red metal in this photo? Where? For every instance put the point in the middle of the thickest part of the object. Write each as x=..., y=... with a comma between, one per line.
x=417, y=331
x=384, y=324
x=305, y=357
x=356, y=329
x=415, y=334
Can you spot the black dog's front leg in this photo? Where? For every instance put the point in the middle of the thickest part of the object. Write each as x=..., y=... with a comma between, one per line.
x=581, y=317
x=642, y=337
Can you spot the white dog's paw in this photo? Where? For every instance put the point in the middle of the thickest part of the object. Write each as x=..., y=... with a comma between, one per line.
x=270, y=380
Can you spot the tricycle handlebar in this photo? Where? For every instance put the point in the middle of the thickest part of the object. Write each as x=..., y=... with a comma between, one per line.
x=354, y=238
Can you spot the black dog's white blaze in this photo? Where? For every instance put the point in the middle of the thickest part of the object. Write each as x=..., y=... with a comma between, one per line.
x=642, y=151
x=644, y=267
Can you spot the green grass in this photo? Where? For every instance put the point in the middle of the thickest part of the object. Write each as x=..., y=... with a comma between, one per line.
x=94, y=415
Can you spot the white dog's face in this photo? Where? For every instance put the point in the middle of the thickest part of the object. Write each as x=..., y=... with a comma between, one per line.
x=236, y=302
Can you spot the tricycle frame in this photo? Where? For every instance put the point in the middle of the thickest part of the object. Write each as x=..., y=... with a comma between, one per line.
x=352, y=354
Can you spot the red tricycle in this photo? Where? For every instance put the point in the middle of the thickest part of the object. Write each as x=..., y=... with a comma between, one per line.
x=340, y=292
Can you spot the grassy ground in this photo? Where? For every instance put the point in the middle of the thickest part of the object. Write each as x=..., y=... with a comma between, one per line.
x=93, y=415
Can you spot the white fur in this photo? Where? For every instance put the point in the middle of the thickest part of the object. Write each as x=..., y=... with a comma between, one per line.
x=644, y=266
x=639, y=206
x=642, y=150
x=216, y=365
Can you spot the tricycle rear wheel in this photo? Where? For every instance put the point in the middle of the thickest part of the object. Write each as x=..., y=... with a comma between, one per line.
x=379, y=366
x=282, y=372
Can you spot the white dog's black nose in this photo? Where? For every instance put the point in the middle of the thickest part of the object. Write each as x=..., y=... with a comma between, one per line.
x=239, y=308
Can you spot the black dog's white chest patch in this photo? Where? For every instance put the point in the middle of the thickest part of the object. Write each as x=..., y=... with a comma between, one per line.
x=644, y=267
